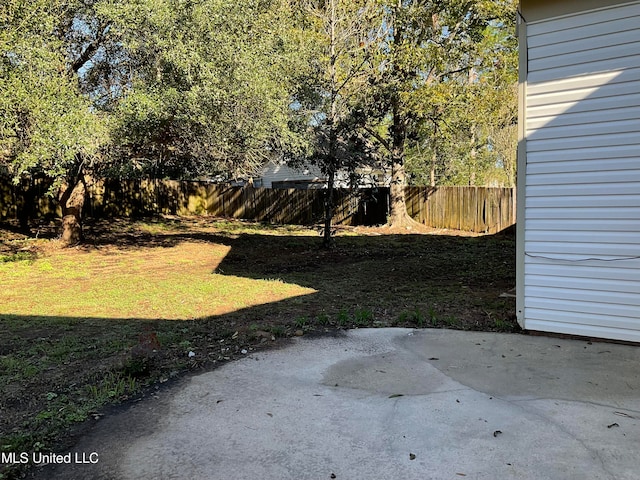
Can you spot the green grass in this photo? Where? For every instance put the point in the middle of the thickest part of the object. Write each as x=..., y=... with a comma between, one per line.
x=301, y=322
x=343, y=318
x=111, y=386
x=176, y=284
x=323, y=319
x=363, y=317
x=417, y=318
x=102, y=323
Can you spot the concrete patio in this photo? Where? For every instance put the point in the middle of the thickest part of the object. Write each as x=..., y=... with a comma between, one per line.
x=385, y=404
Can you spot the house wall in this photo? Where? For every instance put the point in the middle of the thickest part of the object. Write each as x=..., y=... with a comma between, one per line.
x=536, y=10
x=579, y=182
x=280, y=172
x=280, y=175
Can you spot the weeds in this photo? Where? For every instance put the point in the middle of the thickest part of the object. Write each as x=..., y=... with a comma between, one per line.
x=111, y=387
x=60, y=410
x=413, y=317
x=451, y=322
x=278, y=331
x=502, y=325
x=362, y=317
x=18, y=257
x=16, y=367
x=343, y=318
x=433, y=316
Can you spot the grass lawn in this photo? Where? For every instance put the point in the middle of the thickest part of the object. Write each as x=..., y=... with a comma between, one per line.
x=144, y=301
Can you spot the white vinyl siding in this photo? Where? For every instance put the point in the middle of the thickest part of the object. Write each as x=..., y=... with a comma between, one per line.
x=582, y=180
x=281, y=172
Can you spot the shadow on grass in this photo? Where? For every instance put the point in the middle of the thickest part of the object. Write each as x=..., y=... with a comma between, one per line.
x=69, y=368
x=430, y=280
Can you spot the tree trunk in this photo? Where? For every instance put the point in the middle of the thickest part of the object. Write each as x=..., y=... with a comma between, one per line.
x=71, y=201
x=327, y=241
x=473, y=155
x=432, y=171
x=397, y=204
x=25, y=199
x=398, y=215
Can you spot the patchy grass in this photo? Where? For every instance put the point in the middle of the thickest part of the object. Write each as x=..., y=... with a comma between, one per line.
x=177, y=283
x=143, y=301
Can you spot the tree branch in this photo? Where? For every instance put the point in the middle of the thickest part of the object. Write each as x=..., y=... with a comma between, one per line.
x=451, y=72
x=352, y=74
x=378, y=137
x=88, y=53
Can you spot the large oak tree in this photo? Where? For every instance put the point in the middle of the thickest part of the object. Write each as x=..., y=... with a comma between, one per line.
x=47, y=127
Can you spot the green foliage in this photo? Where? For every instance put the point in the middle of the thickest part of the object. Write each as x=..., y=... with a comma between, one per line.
x=277, y=331
x=210, y=88
x=474, y=140
x=451, y=322
x=363, y=317
x=442, y=97
x=18, y=257
x=433, y=316
x=165, y=88
x=343, y=318
x=336, y=43
x=414, y=317
x=46, y=125
x=215, y=87
x=323, y=319
x=112, y=386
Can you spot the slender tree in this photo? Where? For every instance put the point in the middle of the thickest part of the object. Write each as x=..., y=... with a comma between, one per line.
x=339, y=31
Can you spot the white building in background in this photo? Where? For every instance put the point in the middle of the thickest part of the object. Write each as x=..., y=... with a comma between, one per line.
x=277, y=174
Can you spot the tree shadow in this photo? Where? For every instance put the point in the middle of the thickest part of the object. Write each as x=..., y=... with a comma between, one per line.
x=443, y=277
x=384, y=280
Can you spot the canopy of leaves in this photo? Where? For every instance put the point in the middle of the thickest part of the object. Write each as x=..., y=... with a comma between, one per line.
x=470, y=130
x=47, y=127
x=197, y=88
x=337, y=33
x=442, y=88
x=209, y=86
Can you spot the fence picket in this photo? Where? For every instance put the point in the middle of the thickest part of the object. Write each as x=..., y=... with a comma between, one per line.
x=477, y=209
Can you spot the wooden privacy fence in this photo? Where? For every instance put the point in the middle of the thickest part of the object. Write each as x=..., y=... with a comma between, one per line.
x=294, y=206
x=476, y=209
x=473, y=209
